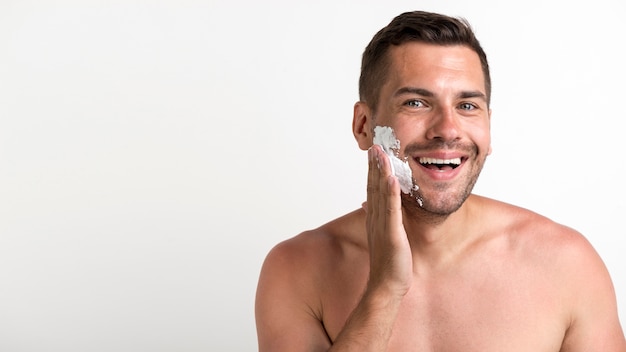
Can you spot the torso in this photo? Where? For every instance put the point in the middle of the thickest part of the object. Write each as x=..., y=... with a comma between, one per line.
x=503, y=294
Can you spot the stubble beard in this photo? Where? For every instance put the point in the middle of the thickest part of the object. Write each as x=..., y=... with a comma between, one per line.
x=444, y=201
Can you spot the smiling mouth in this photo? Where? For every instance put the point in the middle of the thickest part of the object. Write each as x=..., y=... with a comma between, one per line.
x=440, y=164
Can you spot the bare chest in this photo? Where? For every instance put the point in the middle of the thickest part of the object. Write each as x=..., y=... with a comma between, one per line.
x=463, y=311
x=479, y=318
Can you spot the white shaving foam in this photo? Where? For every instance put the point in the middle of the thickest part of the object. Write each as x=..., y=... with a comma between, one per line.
x=386, y=138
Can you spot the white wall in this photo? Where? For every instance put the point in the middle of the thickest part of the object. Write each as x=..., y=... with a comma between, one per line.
x=152, y=152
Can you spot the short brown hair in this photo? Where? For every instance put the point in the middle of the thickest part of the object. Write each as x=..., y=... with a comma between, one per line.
x=419, y=26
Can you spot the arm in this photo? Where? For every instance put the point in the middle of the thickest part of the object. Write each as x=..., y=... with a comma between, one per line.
x=286, y=313
x=594, y=323
x=370, y=326
x=286, y=319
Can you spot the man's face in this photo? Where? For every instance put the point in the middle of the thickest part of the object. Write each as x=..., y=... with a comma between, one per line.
x=435, y=100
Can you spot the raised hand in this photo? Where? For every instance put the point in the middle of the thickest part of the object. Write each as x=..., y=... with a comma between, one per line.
x=391, y=261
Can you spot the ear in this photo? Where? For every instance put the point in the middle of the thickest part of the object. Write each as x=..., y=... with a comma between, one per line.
x=362, y=125
x=490, y=149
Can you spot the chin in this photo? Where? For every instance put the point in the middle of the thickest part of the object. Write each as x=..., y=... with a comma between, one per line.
x=442, y=209
x=437, y=203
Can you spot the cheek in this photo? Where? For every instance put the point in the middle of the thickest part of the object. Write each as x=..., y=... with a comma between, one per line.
x=405, y=134
x=405, y=129
x=481, y=135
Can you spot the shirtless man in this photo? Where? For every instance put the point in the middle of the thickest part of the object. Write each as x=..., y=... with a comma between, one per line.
x=459, y=272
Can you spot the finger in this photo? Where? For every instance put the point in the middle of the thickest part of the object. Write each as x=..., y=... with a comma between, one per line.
x=373, y=186
x=384, y=171
x=376, y=162
x=393, y=205
x=380, y=193
x=384, y=164
x=387, y=211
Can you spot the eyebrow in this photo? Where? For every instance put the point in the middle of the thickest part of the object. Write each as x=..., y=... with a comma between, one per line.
x=428, y=93
x=413, y=90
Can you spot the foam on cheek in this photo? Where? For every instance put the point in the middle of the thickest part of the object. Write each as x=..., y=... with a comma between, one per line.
x=386, y=138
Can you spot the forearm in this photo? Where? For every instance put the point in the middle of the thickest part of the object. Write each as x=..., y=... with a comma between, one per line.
x=370, y=325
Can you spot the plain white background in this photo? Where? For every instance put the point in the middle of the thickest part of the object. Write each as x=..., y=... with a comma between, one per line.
x=152, y=152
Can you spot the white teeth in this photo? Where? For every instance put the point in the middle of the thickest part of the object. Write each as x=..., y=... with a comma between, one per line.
x=455, y=161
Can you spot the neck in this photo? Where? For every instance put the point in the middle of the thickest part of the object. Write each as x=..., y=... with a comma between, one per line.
x=439, y=239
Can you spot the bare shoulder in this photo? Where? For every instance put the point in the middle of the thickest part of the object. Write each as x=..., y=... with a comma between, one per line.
x=566, y=264
x=307, y=259
x=529, y=231
x=535, y=241
x=316, y=250
x=289, y=312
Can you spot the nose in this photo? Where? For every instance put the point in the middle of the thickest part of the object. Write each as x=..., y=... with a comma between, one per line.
x=443, y=125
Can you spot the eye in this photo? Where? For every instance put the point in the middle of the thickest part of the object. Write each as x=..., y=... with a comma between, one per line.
x=414, y=103
x=467, y=106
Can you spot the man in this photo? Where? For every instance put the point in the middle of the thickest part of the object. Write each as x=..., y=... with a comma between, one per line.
x=438, y=269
